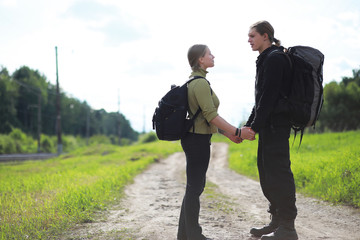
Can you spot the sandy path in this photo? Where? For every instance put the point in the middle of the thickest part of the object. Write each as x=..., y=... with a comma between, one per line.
x=229, y=207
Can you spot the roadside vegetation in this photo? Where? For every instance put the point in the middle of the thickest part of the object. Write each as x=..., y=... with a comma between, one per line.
x=19, y=142
x=40, y=199
x=326, y=166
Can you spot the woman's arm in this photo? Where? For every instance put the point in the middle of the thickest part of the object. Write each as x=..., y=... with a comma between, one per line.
x=219, y=122
x=233, y=138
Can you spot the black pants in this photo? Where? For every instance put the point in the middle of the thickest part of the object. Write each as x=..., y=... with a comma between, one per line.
x=276, y=177
x=197, y=151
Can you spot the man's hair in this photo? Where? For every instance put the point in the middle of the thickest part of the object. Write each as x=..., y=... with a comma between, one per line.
x=263, y=27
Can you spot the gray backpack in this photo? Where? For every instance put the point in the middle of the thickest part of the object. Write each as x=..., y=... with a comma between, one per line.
x=305, y=100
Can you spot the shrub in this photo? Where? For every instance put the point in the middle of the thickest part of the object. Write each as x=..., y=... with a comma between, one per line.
x=22, y=142
x=99, y=139
x=46, y=144
x=125, y=142
x=17, y=134
x=148, y=137
x=69, y=143
x=7, y=145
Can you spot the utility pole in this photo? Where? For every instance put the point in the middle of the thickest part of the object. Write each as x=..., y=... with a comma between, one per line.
x=38, y=106
x=39, y=122
x=119, y=120
x=58, y=117
x=87, y=125
x=144, y=119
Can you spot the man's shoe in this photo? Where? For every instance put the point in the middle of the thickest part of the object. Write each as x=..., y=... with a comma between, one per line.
x=286, y=231
x=271, y=227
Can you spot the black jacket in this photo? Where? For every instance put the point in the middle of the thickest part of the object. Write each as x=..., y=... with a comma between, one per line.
x=273, y=75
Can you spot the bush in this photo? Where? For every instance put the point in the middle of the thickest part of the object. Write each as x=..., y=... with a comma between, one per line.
x=125, y=142
x=22, y=142
x=7, y=145
x=69, y=143
x=148, y=137
x=47, y=144
x=17, y=135
x=99, y=139
x=18, y=142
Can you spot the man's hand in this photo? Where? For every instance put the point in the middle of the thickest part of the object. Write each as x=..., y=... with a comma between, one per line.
x=247, y=133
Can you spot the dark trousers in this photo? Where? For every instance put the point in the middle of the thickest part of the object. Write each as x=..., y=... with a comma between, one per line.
x=197, y=151
x=276, y=177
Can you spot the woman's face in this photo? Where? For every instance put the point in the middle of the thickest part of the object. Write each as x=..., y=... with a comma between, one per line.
x=207, y=60
x=257, y=41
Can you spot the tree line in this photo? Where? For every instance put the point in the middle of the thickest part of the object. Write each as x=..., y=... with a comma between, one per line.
x=28, y=102
x=341, y=109
x=26, y=96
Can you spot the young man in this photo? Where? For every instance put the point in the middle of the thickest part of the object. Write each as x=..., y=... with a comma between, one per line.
x=273, y=127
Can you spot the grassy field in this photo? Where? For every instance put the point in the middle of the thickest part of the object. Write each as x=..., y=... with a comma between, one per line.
x=39, y=199
x=326, y=165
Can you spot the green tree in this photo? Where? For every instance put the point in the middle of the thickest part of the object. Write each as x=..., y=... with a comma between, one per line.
x=31, y=85
x=49, y=112
x=8, y=99
x=19, y=104
x=341, y=110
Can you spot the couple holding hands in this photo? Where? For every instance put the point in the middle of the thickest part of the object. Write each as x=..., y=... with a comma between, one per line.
x=272, y=127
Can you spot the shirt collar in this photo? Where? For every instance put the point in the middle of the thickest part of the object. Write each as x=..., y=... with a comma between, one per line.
x=201, y=72
x=265, y=53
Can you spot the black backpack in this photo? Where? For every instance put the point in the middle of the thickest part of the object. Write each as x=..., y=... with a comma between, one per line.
x=305, y=99
x=170, y=119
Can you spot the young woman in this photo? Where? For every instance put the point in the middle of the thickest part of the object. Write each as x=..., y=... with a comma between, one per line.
x=196, y=144
x=273, y=127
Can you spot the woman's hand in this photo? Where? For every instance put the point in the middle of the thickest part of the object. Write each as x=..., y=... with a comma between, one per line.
x=235, y=139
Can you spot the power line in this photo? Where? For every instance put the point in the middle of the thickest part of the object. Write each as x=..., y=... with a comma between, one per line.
x=31, y=88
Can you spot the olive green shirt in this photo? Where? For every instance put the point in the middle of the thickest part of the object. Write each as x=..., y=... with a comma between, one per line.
x=201, y=95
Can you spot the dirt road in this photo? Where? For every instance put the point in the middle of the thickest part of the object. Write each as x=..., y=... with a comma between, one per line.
x=230, y=206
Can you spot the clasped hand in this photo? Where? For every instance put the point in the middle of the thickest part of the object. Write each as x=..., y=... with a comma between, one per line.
x=246, y=134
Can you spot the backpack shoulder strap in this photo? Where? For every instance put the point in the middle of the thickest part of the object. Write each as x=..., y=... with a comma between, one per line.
x=281, y=51
x=199, y=110
x=190, y=80
x=195, y=77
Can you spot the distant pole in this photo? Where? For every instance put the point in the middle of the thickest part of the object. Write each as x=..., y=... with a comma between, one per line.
x=58, y=117
x=119, y=120
x=144, y=119
x=87, y=126
x=39, y=123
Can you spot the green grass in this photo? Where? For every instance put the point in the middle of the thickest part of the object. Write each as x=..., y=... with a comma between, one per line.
x=326, y=166
x=39, y=199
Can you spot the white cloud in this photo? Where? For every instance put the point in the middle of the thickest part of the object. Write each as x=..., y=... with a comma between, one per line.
x=139, y=47
x=8, y=3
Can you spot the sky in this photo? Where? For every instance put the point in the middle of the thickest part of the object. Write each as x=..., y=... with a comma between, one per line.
x=123, y=55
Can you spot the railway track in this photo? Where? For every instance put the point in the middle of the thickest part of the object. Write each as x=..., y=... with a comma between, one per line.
x=24, y=157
